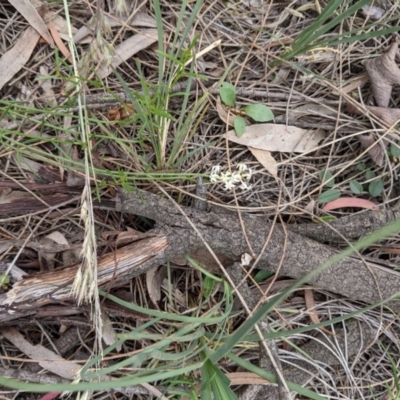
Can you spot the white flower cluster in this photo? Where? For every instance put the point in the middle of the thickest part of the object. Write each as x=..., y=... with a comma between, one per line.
x=239, y=177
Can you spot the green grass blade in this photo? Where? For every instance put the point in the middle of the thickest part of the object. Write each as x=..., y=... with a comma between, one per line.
x=337, y=20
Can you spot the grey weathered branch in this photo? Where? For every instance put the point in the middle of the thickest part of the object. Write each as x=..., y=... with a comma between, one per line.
x=352, y=277
x=349, y=227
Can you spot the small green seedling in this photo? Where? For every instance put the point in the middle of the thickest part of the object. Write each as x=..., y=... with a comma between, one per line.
x=328, y=196
x=328, y=180
x=257, y=112
x=374, y=188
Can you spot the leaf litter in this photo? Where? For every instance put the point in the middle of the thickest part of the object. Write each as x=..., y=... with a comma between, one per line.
x=383, y=73
x=262, y=139
x=298, y=171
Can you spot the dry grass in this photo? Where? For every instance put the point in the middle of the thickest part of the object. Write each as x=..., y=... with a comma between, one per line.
x=249, y=39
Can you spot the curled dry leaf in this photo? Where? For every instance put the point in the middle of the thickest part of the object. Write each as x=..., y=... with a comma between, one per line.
x=383, y=73
x=154, y=279
x=264, y=157
x=388, y=115
x=48, y=359
x=376, y=150
x=349, y=202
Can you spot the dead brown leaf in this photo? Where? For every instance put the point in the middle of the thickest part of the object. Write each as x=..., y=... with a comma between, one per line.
x=127, y=49
x=277, y=137
x=29, y=12
x=355, y=202
x=383, y=73
x=46, y=358
x=12, y=61
x=377, y=151
x=83, y=35
x=60, y=44
x=109, y=334
x=310, y=306
x=265, y=158
x=154, y=279
x=246, y=378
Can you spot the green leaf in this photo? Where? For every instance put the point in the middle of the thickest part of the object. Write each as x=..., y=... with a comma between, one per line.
x=356, y=187
x=240, y=125
x=369, y=174
x=394, y=150
x=361, y=167
x=208, y=286
x=375, y=188
x=259, y=112
x=328, y=196
x=326, y=178
x=262, y=275
x=228, y=94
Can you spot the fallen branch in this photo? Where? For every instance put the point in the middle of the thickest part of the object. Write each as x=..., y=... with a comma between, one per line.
x=173, y=236
x=40, y=289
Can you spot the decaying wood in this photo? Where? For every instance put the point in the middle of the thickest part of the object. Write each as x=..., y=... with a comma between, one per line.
x=352, y=277
x=349, y=227
x=23, y=206
x=51, y=287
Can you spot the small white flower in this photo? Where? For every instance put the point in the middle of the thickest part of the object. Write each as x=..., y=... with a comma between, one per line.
x=229, y=185
x=241, y=176
x=216, y=169
x=242, y=167
x=245, y=186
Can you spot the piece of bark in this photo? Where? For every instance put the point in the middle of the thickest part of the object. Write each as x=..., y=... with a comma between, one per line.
x=349, y=227
x=57, y=187
x=383, y=73
x=24, y=206
x=51, y=287
x=354, y=278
